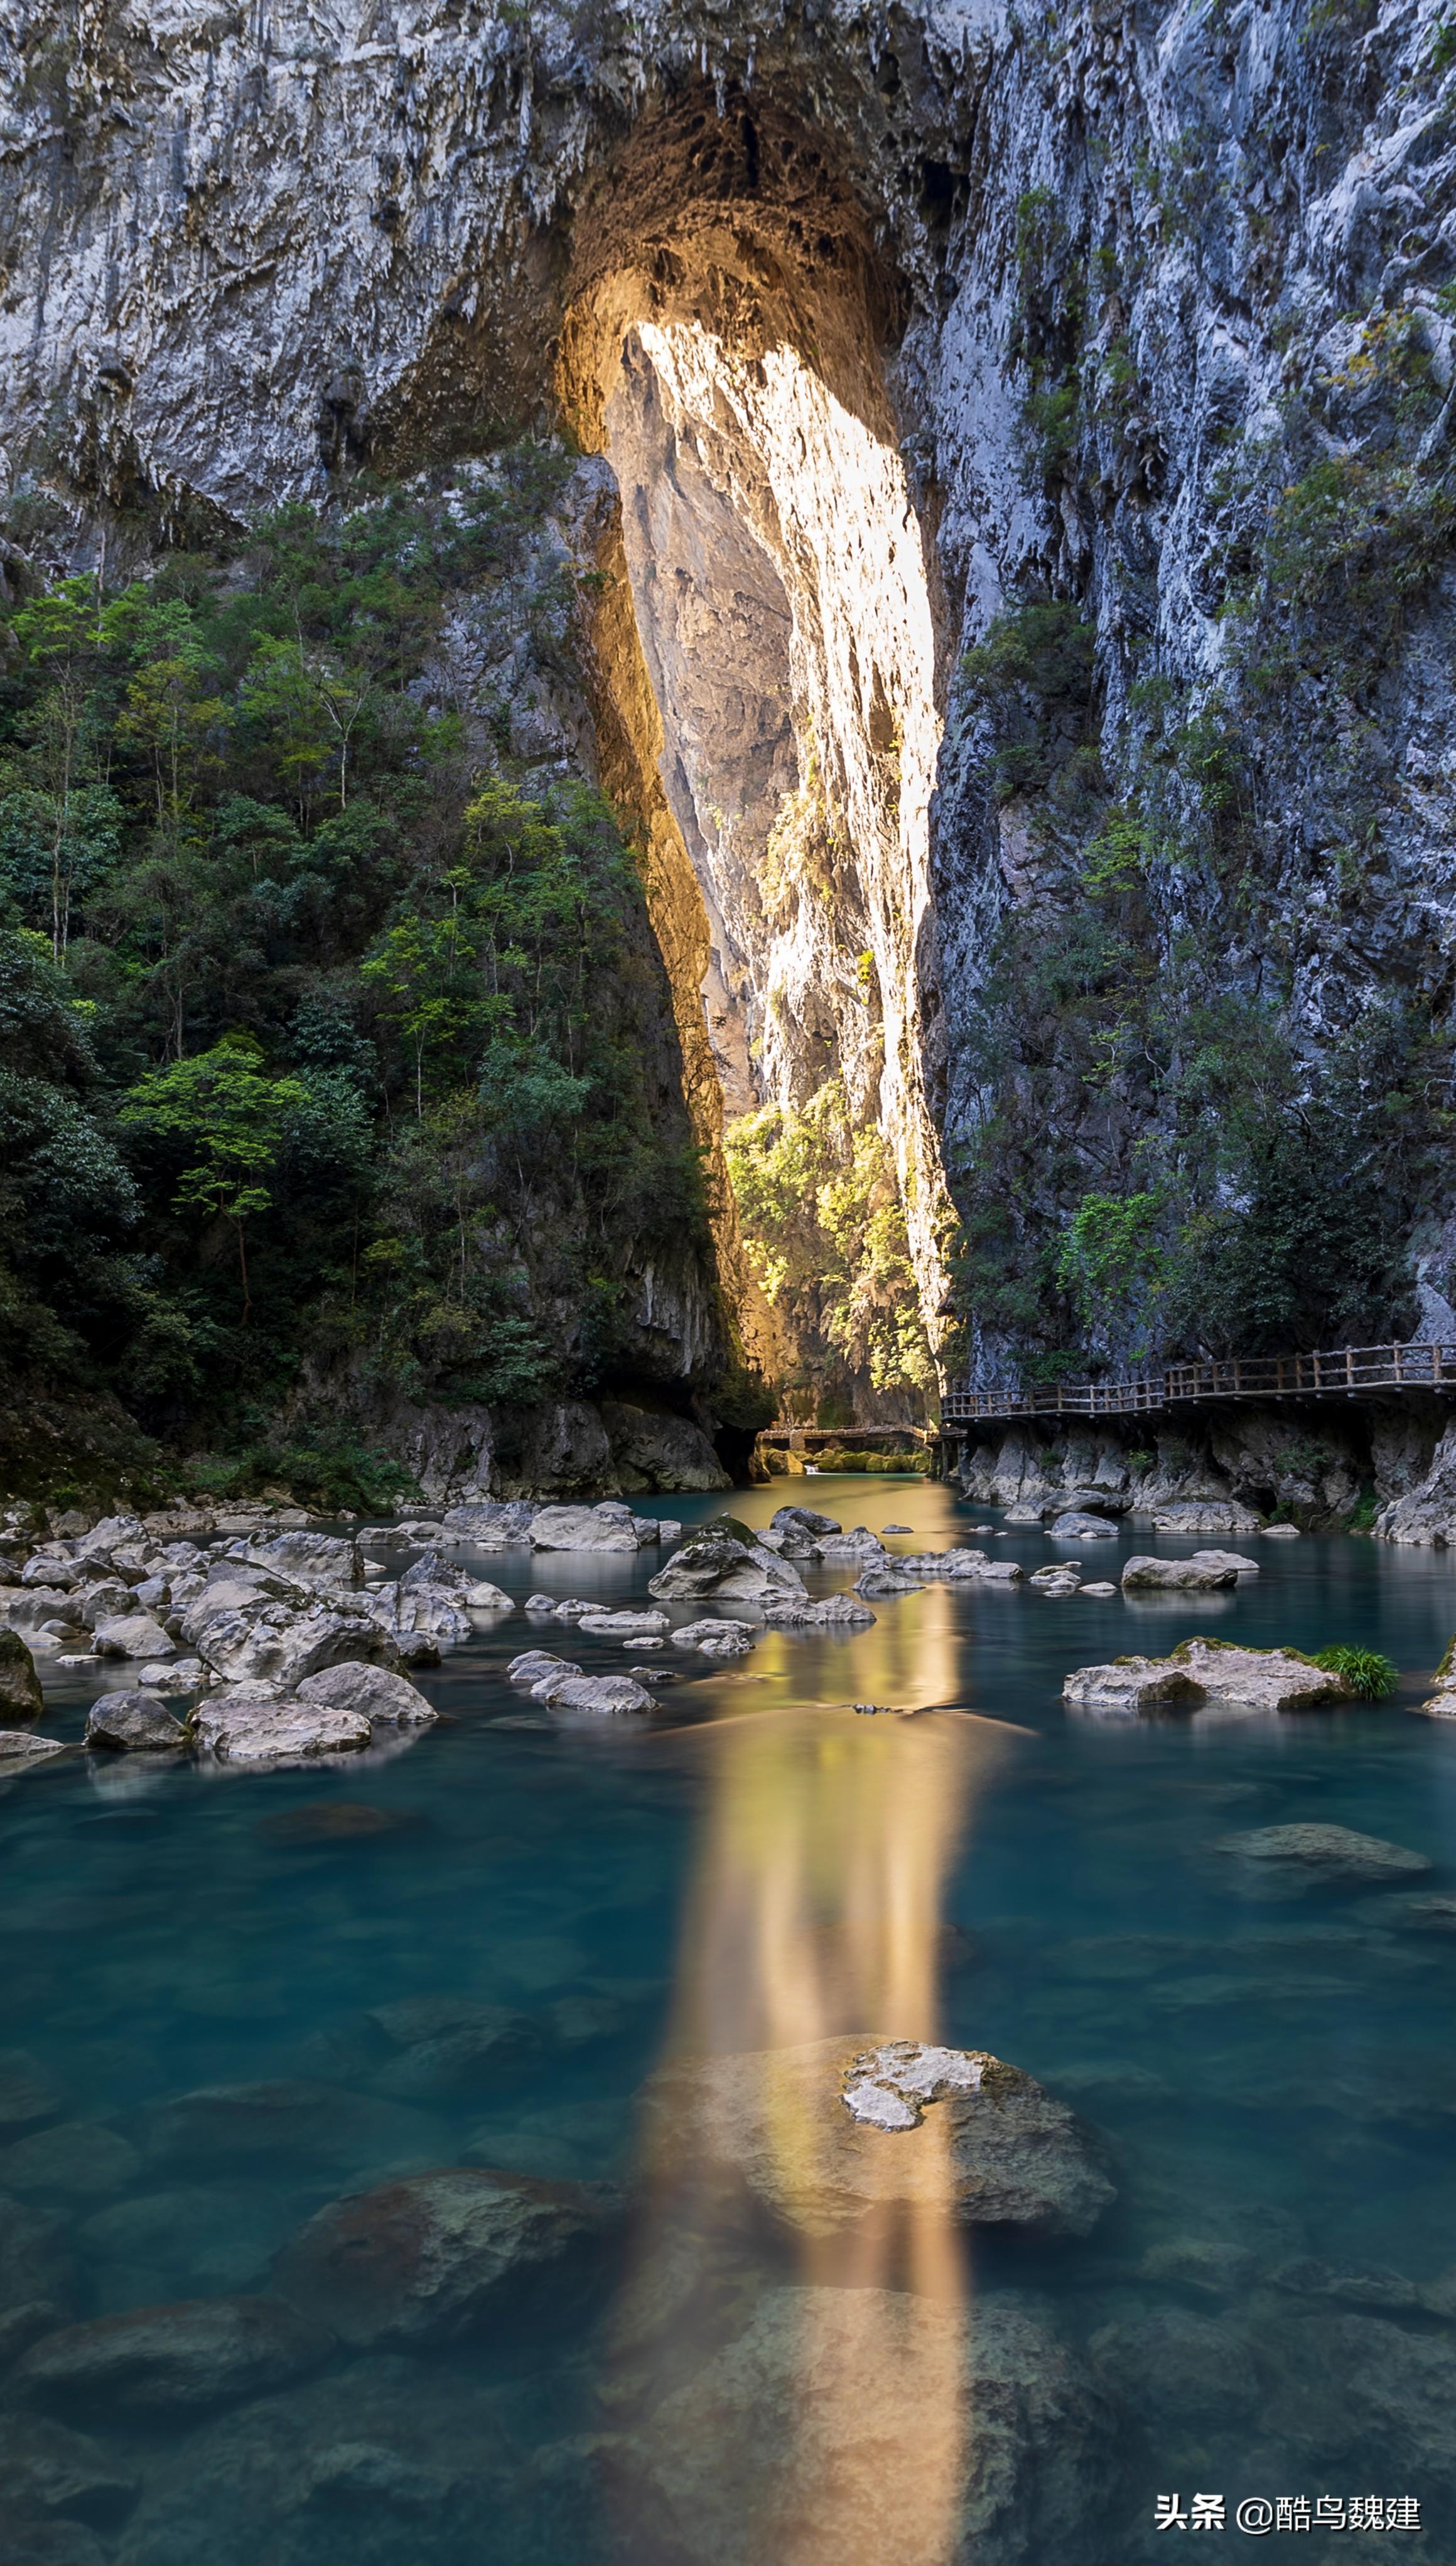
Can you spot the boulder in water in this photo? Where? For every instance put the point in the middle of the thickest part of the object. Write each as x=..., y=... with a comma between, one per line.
x=131, y=1723
x=1175, y=1576
x=20, y=1686
x=374, y=1694
x=1005, y=2152
x=717, y=1563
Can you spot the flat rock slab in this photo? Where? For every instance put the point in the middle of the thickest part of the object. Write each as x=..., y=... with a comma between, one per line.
x=1132, y=1688
x=175, y=2360
x=608, y=1696
x=1002, y=2152
x=582, y=1528
x=433, y=2257
x=1175, y=1576
x=241, y=1727
x=1332, y=1852
x=1264, y=1679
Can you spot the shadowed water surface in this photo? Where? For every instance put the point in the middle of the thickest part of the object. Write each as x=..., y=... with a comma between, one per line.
x=478, y=1951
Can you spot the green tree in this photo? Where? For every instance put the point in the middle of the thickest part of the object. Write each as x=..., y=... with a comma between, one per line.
x=231, y=1118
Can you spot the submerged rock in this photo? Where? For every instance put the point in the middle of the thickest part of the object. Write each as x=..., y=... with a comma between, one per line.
x=20, y=1686
x=841, y=2427
x=47, y=2470
x=75, y=2160
x=132, y=1723
x=1177, y=2365
x=431, y=2258
x=28, y=2094
x=175, y=2360
x=1330, y=1852
x=1006, y=2152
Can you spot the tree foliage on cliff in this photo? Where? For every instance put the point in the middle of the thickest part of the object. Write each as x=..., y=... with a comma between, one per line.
x=322, y=1018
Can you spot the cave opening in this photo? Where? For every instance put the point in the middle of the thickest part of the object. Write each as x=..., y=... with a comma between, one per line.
x=767, y=649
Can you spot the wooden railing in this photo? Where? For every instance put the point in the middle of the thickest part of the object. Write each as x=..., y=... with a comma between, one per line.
x=1350, y=1368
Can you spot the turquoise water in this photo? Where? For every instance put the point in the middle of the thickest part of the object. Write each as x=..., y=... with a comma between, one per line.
x=1265, y=2312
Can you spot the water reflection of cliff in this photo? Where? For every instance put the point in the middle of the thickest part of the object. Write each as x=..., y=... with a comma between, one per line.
x=789, y=2346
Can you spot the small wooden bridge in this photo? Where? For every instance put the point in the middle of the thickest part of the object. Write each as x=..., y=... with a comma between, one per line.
x=1350, y=1372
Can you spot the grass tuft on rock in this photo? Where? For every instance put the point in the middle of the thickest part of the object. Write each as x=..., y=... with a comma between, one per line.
x=1369, y=1675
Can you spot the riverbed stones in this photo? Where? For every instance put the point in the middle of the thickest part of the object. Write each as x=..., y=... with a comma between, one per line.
x=21, y=1697
x=246, y=1725
x=1175, y=1576
x=132, y=1723
x=718, y=1564
x=1064, y=1580
x=843, y=2427
x=432, y=2258
x=374, y=1694
x=533, y=1665
x=171, y=2360
x=1005, y=2152
x=1326, y=1852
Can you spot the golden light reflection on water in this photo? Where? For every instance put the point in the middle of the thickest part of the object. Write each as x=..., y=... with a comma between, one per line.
x=774, y=2219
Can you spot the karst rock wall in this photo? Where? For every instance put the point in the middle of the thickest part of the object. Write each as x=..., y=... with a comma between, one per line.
x=247, y=251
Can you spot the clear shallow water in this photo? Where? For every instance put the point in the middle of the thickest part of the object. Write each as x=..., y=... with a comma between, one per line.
x=750, y=1867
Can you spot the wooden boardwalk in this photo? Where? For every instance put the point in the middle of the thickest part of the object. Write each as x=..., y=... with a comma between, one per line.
x=1350, y=1372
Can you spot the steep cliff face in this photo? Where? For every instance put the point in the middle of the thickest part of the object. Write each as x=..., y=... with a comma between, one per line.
x=1118, y=351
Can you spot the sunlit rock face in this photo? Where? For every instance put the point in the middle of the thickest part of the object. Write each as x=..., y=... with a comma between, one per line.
x=773, y=264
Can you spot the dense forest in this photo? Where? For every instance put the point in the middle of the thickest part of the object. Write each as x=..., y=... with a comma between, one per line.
x=322, y=1056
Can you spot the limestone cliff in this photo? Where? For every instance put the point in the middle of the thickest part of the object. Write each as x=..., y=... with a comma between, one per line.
x=890, y=321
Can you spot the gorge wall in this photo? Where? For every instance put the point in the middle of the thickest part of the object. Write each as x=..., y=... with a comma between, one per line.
x=1034, y=453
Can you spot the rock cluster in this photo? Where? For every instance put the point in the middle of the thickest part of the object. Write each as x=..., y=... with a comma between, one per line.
x=1205, y=1674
